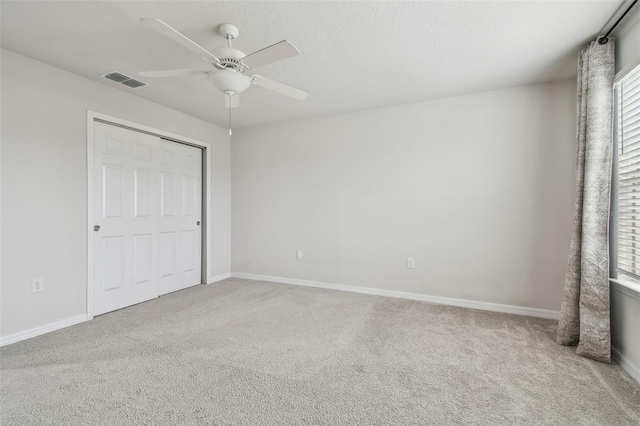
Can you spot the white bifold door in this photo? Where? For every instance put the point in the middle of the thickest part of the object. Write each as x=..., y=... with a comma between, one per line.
x=147, y=206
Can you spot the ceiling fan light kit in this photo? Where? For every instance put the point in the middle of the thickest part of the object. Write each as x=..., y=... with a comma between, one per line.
x=229, y=65
x=229, y=81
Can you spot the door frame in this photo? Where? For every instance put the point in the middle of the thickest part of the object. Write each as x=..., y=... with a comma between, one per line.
x=92, y=117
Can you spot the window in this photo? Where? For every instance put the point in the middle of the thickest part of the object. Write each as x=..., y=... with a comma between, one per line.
x=627, y=134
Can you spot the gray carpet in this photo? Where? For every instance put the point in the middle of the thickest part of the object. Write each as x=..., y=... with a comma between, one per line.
x=254, y=353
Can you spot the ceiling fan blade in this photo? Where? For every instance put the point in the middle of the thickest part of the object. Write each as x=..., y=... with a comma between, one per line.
x=171, y=73
x=271, y=54
x=178, y=37
x=232, y=101
x=276, y=86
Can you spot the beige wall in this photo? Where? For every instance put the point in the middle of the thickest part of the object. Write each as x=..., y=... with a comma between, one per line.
x=44, y=185
x=478, y=188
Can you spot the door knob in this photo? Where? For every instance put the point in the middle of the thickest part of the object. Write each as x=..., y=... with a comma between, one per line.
x=198, y=223
x=96, y=228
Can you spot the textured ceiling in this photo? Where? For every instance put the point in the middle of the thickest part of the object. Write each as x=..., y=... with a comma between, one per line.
x=354, y=55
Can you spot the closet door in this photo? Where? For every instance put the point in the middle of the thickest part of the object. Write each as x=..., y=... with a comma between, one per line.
x=147, y=210
x=180, y=216
x=126, y=255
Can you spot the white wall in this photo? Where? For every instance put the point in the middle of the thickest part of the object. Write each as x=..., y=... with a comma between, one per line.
x=478, y=188
x=627, y=37
x=44, y=185
x=625, y=304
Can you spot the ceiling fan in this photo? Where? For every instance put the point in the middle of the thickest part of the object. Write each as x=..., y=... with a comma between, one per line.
x=229, y=66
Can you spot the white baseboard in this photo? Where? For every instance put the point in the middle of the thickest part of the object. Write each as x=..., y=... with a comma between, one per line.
x=626, y=364
x=43, y=329
x=47, y=328
x=463, y=303
x=218, y=278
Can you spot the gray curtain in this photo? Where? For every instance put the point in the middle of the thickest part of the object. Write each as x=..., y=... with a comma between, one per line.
x=584, y=317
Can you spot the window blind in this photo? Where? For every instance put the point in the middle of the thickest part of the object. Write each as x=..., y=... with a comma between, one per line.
x=627, y=129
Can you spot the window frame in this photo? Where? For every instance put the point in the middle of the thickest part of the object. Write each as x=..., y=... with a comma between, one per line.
x=619, y=275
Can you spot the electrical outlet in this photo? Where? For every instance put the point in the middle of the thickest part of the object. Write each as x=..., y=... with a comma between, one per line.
x=410, y=262
x=37, y=285
x=299, y=254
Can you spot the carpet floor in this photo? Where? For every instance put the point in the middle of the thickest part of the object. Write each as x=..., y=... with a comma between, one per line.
x=256, y=353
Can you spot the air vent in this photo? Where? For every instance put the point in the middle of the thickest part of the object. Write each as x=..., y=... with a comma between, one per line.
x=124, y=79
x=133, y=83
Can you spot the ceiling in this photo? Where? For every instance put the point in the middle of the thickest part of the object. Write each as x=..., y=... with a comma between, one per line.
x=354, y=55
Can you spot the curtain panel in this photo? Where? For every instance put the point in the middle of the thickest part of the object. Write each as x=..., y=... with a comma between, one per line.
x=585, y=316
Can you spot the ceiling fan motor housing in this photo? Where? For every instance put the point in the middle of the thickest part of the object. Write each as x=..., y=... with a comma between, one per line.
x=229, y=58
x=224, y=52
x=230, y=79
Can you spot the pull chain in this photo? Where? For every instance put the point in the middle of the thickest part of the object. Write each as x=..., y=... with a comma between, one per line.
x=230, y=132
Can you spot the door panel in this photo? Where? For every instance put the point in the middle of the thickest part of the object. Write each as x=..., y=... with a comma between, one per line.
x=142, y=193
x=113, y=252
x=112, y=192
x=189, y=200
x=124, y=258
x=168, y=243
x=183, y=215
x=168, y=156
x=188, y=250
x=189, y=160
x=144, y=151
x=144, y=246
x=142, y=252
x=168, y=193
x=113, y=144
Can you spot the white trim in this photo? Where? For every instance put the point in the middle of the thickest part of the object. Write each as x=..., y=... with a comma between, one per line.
x=629, y=288
x=218, y=278
x=628, y=366
x=43, y=329
x=463, y=303
x=90, y=121
x=623, y=73
x=91, y=117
